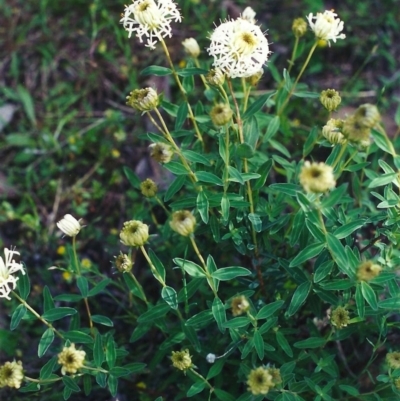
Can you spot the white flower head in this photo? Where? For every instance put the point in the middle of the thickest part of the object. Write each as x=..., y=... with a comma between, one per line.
x=8, y=267
x=249, y=14
x=150, y=18
x=69, y=225
x=326, y=26
x=239, y=48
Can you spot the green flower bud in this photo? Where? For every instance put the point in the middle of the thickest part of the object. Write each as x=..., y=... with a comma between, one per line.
x=161, y=152
x=330, y=99
x=149, y=188
x=215, y=77
x=183, y=222
x=299, y=27
x=368, y=115
x=332, y=131
x=221, y=114
x=368, y=270
x=340, y=317
x=134, y=233
x=143, y=99
x=255, y=78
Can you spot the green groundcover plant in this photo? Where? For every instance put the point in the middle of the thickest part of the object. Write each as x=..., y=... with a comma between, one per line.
x=273, y=259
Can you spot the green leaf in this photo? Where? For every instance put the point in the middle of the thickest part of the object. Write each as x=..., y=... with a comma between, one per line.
x=263, y=171
x=341, y=284
x=70, y=383
x=322, y=271
x=390, y=303
x=45, y=342
x=345, y=230
x=190, y=71
x=154, y=313
x=299, y=297
x=27, y=103
x=256, y=106
x=104, y=320
x=307, y=253
x=211, y=178
x=176, y=168
x=223, y=395
x=87, y=384
x=190, y=268
x=310, y=142
x=58, y=313
x=76, y=336
x=18, y=314
x=360, y=303
x=383, y=179
x=112, y=383
x=259, y=344
x=229, y=273
x=244, y=151
x=135, y=367
x=175, y=186
x=251, y=134
x=335, y=196
x=255, y=221
x=202, y=206
x=23, y=285
x=134, y=286
x=383, y=142
x=283, y=343
x=273, y=128
x=235, y=175
x=288, y=189
x=101, y=379
x=369, y=295
x=156, y=70
x=219, y=314
x=268, y=310
x=83, y=286
x=312, y=342
x=225, y=206
x=48, y=302
x=111, y=353
x=195, y=157
x=98, y=351
x=158, y=265
x=99, y=287
x=68, y=298
x=132, y=177
x=181, y=115
x=349, y=389
x=339, y=255
x=215, y=369
x=169, y=295
x=48, y=368
x=200, y=320
x=236, y=323
x=195, y=388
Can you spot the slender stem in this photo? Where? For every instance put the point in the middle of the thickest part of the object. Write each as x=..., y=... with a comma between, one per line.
x=160, y=202
x=297, y=79
x=77, y=266
x=139, y=287
x=339, y=156
x=42, y=381
x=181, y=88
x=294, y=51
x=202, y=378
x=197, y=64
x=44, y=321
x=196, y=249
x=152, y=267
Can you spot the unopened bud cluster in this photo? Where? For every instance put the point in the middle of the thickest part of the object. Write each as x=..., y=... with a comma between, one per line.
x=221, y=114
x=183, y=222
x=330, y=99
x=143, y=99
x=161, y=152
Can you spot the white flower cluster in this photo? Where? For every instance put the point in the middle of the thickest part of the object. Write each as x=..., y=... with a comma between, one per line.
x=326, y=26
x=7, y=269
x=239, y=48
x=150, y=18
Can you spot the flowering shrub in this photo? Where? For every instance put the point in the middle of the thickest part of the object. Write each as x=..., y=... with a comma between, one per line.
x=275, y=256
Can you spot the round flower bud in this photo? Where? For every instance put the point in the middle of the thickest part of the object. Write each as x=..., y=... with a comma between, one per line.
x=299, y=27
x=332, y=131
x=276, y=376
x=340, y=317
x=368, y=115
x=181, y=359
x=215, y=77
x=143, y=99
x=161, y=152
x=123, y=263
x=221, y=114
x=393, y=360
x=330, y=99
x=183, y=222
x=191, y=47
x=134, y=233
x=11, y=374
x=149, y=188
x=71, y=359
x=255, y=79
x=355, y=131
x=239, y=305
x=259, y=381
x=368, y=271
x=210, y=358
x=316, y=177
x=249, y=14
x=69, y=225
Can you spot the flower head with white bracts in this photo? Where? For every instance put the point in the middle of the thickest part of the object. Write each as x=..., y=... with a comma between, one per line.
x=239, y=48
x=151, y=19
x=326, y=26
x=8, y=267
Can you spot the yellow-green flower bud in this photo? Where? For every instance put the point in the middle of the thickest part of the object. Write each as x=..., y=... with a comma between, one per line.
x=355, y=131
x=134, y=233
x=149, y=188
x=330, y=99
x=11, y=374
x=143, y=99
x=239, y=305
x=317, y=177
x=368, y=115
x=71, y=359
x=340, y=317
x=276, y=376
x=181, y=359
x=299, y=27
x=191, y=47
x=161, y=152
x=332, y=131
x=183, y=222
x=368, y=271
x=221, y=114
x=123, y=263
x=259, y=381
x=255, y=78
x=215, y=77
x=397, y=383
x=393, y=360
